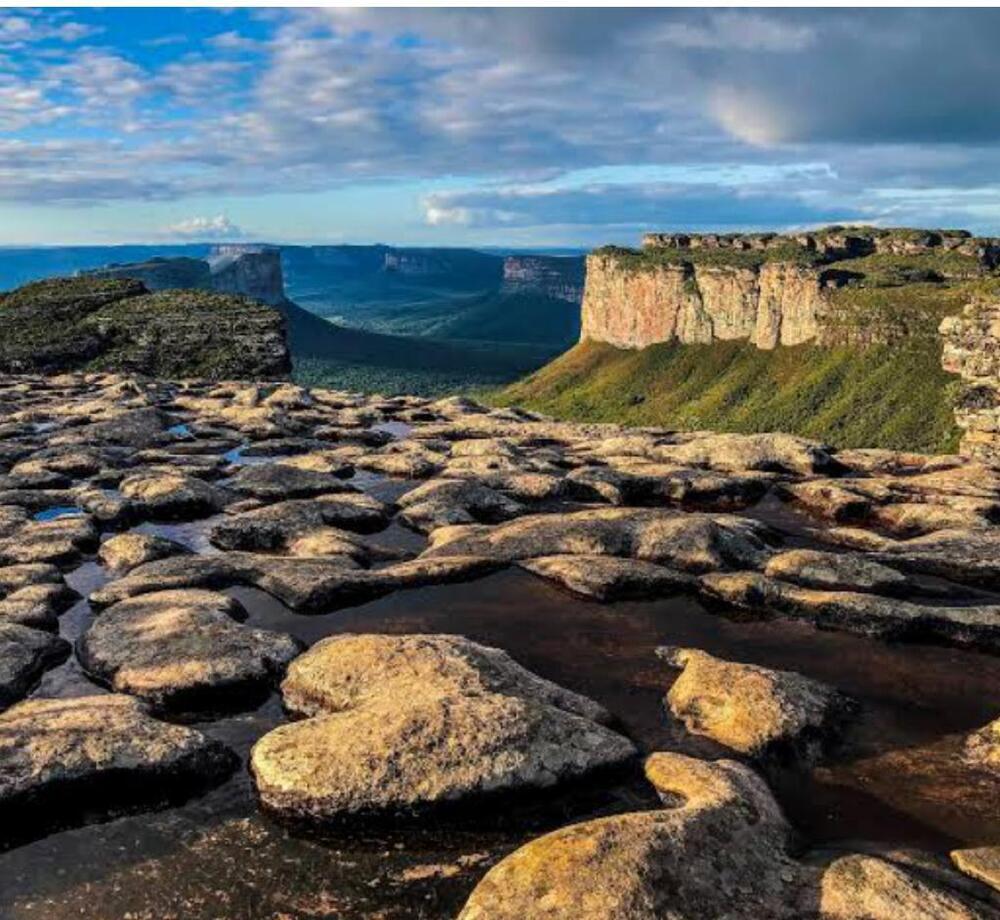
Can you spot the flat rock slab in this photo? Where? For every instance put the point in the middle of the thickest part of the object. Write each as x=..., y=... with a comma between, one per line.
x=608, y=578
x=170, y=495
x=62, y=761
x=811, y=568
x=442, y=502
x=25, y=654
x=689, y=542
x=275, y=526
x=859, y=613
x=278, y=482
x=754, y=711
x=126, y=551
x=404, y=723
x=184, y=651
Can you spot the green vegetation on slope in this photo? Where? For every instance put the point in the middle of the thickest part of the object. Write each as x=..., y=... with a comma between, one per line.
x=884, y=396
x=653, y=257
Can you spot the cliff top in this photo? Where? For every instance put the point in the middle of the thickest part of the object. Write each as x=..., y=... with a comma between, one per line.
x=953, y=251
x=93, y=323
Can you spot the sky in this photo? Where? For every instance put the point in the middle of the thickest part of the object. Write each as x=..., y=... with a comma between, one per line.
x=504, y=127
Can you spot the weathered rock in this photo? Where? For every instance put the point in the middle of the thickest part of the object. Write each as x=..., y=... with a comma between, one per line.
x=686, y=541
x=184, y=650
x=125, y=551
x=275, y=526
x=608, y=578
x=983, y=747
x=443, y=502
x=835, y=572
x=38, y=606
x=278, y=482
x=169, y=495
x=58, y=542
x=756, y=711
x=870, y=887
x=779, y=453
x=716, y=850
x=980, y=863
x=61, y=759
x=864, y=614
x=25, y=654
x=407, y=722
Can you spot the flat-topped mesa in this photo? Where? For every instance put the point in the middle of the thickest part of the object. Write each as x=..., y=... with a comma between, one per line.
x=555, y=276
x=116, y=324
x=772, y=289
x=251, y=270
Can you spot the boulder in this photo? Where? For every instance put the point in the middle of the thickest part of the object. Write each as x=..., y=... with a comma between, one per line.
x=401, y=723
x=64, y=760
x=184, y=651
x=443, y=502
x=125, y=551
x=755, y=711
x=170, y=495
x=25, y=654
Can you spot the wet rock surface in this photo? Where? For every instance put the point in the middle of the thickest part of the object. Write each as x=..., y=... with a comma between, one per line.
x=184, y=543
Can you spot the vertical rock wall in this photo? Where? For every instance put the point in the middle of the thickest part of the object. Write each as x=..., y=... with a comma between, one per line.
x=779, y=303
x=972, y=350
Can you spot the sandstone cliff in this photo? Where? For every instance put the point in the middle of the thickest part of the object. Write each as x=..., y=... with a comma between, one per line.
x=769, y=289
x=112, y=324
x=972, y=350
x=775, y=303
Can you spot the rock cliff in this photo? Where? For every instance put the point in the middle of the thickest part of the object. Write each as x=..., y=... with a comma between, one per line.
x=972, y=350
x=558, y=277
x=114, y=324
x=767, y=289
x=253, y=271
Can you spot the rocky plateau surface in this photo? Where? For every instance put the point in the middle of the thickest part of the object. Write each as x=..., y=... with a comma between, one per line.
x=197, y=500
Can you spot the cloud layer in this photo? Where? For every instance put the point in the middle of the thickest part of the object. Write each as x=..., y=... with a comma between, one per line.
x=513, y=107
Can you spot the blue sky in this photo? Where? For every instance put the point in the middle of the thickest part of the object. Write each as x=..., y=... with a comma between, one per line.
x=491, y=127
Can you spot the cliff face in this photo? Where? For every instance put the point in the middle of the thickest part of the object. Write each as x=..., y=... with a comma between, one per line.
x=972, y=350
x=558, y=277
x=777, y=303
x=251, y=271
x=110, y=324
x=773, y=290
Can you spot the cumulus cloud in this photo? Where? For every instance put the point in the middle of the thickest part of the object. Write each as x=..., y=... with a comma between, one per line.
x=314, y=99
x=218, y=227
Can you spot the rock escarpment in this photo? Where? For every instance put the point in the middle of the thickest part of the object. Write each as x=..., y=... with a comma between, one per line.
x=113, y=324
x=972, y=350
x=251, y=271
x=768, y=289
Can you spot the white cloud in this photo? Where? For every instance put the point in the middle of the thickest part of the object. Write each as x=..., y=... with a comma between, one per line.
x=219, y=227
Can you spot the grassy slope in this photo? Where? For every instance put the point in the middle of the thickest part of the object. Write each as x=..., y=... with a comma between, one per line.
x=896, y=397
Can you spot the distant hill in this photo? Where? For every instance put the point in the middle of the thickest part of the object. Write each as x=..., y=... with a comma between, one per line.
x=339, y=355
x=113, y=324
